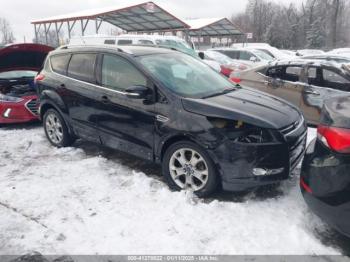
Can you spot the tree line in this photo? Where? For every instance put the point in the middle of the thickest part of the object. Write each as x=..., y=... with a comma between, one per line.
x=323, y=24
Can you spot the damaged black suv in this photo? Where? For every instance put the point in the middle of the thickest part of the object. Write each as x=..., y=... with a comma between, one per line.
x=170, y=108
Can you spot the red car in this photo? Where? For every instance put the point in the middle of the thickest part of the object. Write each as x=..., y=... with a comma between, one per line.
x=19, y=64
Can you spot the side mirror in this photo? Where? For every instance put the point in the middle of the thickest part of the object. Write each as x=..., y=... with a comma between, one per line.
x=137, y=92
x=253, y=59
x=201, y=55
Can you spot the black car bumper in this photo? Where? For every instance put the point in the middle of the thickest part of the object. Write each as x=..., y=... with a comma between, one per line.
x=241, y=164
x=325, y=185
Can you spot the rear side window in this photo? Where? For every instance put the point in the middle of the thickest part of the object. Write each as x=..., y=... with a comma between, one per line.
x=59, y=63
x=125, y=42
x=118, y=74
x=82, y=67
x=109, y=42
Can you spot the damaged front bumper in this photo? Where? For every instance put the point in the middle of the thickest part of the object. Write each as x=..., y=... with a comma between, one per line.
x=245, y=166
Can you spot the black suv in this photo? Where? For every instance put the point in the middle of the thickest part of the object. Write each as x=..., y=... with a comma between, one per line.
x=168, y=107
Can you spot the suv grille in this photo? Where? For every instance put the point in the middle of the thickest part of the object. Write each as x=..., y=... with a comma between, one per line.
x=33, y=106
x=295, y=135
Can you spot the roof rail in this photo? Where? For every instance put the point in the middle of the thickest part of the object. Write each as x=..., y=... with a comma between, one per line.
x=114, y=47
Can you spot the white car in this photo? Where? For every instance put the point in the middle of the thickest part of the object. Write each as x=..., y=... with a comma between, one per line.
x=340, y=51
x=266, y=48
x=308, y=52
x=251, y=57
x=128, y=39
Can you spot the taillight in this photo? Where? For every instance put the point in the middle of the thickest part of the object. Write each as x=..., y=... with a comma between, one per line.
x=39, y=77
x=337, y=139
x=235, y=80
x=226, y=71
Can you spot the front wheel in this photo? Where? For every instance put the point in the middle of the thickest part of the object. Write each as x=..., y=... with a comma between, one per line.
x=187, y=166
x=56, y=129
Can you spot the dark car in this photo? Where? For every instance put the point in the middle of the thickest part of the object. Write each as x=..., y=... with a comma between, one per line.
x=19, y=64
x=325, y=176
x=305, y=83
x=170, y=108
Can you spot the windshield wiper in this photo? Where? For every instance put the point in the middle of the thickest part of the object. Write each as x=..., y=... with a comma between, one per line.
x=225, y=91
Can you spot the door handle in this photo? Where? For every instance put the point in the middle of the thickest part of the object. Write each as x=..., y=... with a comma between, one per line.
x=312, y=92
x=105, y=99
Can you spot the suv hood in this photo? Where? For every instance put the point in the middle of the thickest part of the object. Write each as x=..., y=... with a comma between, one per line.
x=23, y=57
x=251, y=106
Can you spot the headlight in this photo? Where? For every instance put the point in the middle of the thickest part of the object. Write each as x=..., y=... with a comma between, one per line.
x=11, y=99
x=240, y=132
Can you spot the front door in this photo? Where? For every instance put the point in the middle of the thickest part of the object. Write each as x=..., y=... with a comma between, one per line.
x=322, y=84
x=126, y=124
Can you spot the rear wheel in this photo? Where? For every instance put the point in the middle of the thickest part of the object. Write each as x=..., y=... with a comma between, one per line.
x=187, y=166
x=56, y=129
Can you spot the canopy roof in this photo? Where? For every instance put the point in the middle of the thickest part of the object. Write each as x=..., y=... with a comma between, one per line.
x=142, y=17
x=212, y=27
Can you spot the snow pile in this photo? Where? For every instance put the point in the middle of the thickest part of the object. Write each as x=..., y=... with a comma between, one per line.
x=59, y=201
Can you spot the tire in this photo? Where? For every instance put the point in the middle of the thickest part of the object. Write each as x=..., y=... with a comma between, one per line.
x=56, y=129
x=196, y=171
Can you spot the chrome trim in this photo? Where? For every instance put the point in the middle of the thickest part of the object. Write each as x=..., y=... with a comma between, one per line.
x=7, y=113
x=101, y=87
x=26, y=106
x=162, y=119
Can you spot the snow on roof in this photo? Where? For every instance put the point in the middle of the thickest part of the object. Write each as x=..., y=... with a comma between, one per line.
x=146, y=16
x=218, y=26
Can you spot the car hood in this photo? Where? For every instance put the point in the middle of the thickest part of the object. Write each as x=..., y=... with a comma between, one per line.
x=251, y=106
x=23, y=57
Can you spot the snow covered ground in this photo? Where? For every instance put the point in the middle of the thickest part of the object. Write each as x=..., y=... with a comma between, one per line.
x=88, y=200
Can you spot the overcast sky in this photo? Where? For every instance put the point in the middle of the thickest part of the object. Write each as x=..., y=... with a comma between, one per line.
x=21, y=12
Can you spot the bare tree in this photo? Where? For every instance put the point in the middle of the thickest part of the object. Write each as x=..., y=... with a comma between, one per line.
x=6, y=34
x=314, y=24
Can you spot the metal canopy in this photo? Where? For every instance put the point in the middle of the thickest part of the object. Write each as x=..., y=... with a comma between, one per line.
x=142, y=17
x=212, y=27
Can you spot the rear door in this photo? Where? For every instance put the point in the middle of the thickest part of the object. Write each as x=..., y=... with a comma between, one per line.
x=80, y=95
x=125, y=124
x=322, y=83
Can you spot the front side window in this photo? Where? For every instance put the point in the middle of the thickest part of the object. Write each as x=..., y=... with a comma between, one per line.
x=145, y=42
x=185, y=75
x=59, y=63
x=125, y=42
x=292, y=73
x=275, y=72
x=82, y=67
x=119, y=74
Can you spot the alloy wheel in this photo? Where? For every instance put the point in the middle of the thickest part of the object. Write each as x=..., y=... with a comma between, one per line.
x=54, y=128
x=188, y=169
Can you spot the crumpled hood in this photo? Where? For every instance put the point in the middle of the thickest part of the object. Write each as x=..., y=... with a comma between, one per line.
x=251, y=106
x=23, y=57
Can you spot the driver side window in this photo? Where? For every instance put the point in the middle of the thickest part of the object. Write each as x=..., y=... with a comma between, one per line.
x=119, y=74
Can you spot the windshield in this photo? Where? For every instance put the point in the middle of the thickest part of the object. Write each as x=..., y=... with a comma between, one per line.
x=262, y=55
x=185, y=75
x=17, y=74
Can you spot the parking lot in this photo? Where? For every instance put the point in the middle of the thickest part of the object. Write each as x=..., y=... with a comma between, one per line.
x=77, y=201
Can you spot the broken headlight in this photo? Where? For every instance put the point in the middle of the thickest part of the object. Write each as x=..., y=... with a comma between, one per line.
x=10, y=99
x=240, y=132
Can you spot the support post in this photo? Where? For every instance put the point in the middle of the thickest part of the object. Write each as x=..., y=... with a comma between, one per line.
x=36, y=34
x=46, y=39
